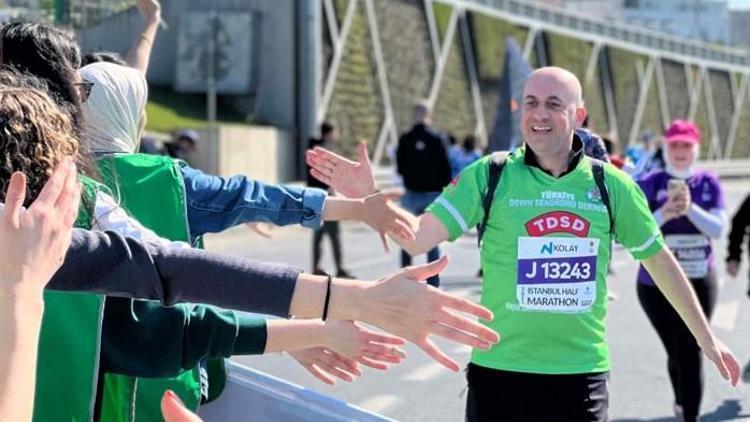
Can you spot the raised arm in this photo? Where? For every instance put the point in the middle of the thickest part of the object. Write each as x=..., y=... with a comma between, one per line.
x=355, y=179
x=140, y=55
x=32, y=244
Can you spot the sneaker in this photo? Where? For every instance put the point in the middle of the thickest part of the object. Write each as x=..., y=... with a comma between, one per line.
x=344, y=274
x=319, y=271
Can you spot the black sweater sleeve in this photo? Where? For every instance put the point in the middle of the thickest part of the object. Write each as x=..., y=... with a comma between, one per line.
x=113, y=265
x=740, y=222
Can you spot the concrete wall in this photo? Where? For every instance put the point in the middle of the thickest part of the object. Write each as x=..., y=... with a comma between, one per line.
x=263, y=153
x=273, y=45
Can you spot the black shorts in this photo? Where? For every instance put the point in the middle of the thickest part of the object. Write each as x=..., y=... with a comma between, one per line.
x=496, y=395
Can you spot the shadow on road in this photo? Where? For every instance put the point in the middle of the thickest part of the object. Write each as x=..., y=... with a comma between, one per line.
x=730, y=410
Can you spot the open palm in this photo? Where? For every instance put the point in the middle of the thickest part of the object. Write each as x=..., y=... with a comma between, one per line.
x=353, y=179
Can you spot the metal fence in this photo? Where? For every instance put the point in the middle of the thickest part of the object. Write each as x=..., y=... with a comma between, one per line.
x=378, y=56
x=615, y=31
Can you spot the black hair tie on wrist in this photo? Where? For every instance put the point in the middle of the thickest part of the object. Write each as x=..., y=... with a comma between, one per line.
x=328, y=297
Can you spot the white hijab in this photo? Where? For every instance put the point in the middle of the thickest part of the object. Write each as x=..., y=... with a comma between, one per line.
x=115, y=107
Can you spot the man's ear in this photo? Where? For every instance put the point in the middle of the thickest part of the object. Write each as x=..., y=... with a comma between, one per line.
x=581, y=114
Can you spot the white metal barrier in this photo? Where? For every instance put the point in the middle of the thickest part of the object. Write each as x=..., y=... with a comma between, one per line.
x=254, y=396
x=728, y=169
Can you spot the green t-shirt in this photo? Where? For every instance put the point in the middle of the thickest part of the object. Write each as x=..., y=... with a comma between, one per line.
x=544, y=256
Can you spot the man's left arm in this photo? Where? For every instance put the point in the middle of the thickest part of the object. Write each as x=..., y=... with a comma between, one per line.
x=636, y=229
x=671, y=280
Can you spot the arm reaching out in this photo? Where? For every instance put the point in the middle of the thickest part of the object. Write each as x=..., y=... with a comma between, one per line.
x=324, y=364
x=334, y=347
x=343, y=337
x=400, y=304
x=670, y=279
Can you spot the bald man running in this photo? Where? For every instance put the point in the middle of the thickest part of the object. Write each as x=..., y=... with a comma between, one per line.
x=545, y=251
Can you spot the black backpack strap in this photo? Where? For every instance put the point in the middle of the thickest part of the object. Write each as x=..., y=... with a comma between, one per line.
x=597, y=168
x=497, y=162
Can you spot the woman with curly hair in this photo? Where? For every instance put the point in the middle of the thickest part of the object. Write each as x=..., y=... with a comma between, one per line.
x=33, y=243
x=34, y=137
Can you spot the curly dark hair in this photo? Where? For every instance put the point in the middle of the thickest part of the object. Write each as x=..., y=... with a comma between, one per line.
x=52, y=55
x=48, y=53
x=35, y=135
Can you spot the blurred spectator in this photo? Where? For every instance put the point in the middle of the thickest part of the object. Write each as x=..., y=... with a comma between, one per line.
x=452, y=139
x=329, y=140
x=422, y=160
x=613, y=151
x=647, y=156
x=183, y=146
x=464, y=154
x=593, y=145
x=151, y=145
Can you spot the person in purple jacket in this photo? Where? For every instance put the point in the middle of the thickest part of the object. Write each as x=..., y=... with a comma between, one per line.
x=688, y=204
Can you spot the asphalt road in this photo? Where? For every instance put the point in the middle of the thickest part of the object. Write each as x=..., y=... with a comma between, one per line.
x=420, y=389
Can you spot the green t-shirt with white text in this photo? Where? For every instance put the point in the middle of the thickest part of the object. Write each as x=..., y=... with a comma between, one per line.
x=544, y=256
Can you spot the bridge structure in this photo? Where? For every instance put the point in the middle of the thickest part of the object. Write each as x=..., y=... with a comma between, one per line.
x=376, y=57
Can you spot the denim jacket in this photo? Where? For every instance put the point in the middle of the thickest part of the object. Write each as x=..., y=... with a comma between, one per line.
x=216, y=203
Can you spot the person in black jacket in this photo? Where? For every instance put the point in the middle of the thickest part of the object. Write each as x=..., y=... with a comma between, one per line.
x=423, y=163
x=737, y=235
x=328, y=139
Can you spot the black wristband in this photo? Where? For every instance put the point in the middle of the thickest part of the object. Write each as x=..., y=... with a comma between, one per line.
x=328, y=297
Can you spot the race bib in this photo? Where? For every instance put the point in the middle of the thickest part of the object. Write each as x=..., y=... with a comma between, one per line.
x=691, y=251
x=557, y=274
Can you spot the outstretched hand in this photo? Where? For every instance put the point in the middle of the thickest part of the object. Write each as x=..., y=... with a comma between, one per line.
x=353, y=179
x=362, y=344
x=385, y=217
x=325, y=364
x=402, y=304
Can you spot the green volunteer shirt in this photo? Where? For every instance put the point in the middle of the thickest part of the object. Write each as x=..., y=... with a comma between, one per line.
x=544, y=257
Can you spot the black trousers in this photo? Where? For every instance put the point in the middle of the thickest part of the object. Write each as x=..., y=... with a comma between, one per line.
x=684, y=357
x=331, y=228
x=496, y=396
